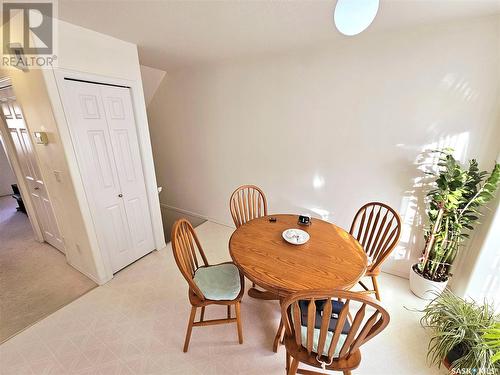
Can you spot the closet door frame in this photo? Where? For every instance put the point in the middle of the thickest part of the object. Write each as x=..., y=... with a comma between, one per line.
x=102, y=258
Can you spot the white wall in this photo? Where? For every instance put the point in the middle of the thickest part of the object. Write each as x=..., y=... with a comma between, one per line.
x=327, y=129
x=7, y=177
x=82, y=51
x=484, y=271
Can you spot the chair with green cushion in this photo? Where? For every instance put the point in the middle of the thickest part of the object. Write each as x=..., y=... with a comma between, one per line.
x=220, y=284
x=320, y=330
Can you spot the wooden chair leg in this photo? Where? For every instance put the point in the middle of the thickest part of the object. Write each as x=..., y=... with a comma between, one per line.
x=375, y=287
x=202, y=315
x=278, y=337
x=238, y=322
x=293, y=367
x=189, y=328
x=287, y=361
x=228, y=311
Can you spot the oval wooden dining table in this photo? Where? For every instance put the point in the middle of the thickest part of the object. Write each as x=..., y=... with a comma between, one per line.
x=331, y=259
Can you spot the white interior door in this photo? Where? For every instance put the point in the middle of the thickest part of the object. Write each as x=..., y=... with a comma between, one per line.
x=121, y=122
x=103, y=130
x=31, y=173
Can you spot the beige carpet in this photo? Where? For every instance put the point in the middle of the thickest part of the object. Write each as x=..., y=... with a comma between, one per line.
x=35, y=279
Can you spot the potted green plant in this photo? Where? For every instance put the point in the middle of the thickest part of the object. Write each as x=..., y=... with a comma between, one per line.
x=458, y=337
x=453, y=208
x=492, y=338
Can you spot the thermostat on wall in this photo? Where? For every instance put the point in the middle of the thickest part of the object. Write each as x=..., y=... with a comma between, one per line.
x=41, y=138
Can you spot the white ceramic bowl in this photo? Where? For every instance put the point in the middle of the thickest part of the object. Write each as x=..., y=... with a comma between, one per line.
x=295, y=236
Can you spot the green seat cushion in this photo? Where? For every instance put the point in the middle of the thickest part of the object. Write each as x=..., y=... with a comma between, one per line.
x=336, y=309
x=219, y=282
x=329, y=335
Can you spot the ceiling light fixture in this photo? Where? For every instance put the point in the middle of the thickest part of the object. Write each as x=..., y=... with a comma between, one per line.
x=353, y=16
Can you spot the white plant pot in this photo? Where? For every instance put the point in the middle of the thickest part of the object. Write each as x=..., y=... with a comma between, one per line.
x=423, y=288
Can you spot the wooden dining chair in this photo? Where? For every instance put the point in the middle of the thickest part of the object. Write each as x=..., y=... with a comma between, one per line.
x=377, y=228
x=320, y=332
x=220, y=284
x=246, y=203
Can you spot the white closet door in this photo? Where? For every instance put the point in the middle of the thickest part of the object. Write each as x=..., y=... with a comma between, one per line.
x=108, y=155
x=121, y=122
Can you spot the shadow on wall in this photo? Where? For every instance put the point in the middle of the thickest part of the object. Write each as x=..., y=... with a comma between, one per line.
x=170, y=216
x=413, y=202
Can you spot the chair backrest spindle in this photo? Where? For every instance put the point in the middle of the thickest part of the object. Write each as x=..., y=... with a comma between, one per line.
x=377, y=227
x=246, y=203
x=330, y=326
x=188, y=252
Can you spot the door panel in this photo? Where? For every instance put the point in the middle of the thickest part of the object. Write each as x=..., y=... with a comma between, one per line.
x=119, y=233
x=31, y=173
x=123, y=131
x=125, y=155
x=103, y=132
x=138, y=227
x=21, y=152
x=7, y=110
x=30, y=157
x=90, y=132
x=100, y=156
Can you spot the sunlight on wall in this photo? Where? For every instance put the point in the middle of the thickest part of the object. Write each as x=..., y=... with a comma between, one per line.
x=318, y=182
x=460, y=86
x=412, y=209
x=410, y=218
x=324, y=214
x=427, y=160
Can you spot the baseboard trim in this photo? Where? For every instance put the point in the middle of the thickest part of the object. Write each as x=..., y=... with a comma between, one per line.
x=183, y=211
x=395, y=272
x=195, y=214
x=95, y=279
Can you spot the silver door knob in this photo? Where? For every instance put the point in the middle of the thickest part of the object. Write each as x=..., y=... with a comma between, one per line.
x=120, y=195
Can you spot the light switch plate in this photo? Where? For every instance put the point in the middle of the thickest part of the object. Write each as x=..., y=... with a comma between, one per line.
x=41, y=138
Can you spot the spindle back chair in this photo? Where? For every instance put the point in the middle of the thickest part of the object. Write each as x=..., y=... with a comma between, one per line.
x=246, y=203
x=377, y=228
x=320, y=330
x=190, y=257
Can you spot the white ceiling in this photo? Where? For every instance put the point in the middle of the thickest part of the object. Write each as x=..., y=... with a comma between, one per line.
x=171, y=34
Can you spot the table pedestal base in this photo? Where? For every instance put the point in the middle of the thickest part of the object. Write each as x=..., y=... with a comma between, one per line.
x=270, y=296
x=262, y=294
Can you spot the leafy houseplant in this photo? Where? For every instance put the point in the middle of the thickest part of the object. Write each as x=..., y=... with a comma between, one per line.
x=459, y=337
x=492, y=339
x=453, y=208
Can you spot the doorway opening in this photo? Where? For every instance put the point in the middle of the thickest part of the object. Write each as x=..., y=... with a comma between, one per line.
x=35, y=277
